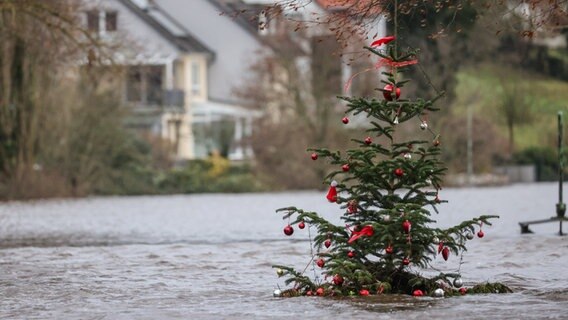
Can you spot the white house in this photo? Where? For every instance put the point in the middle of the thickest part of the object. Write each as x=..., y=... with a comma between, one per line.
x=180, y=74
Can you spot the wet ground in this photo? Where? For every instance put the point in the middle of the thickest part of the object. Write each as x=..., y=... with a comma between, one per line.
x=209, y=257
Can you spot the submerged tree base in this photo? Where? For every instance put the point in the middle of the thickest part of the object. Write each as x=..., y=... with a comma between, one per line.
x=401, y=282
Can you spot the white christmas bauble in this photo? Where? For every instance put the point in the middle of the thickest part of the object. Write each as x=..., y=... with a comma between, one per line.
x=386, y=218
x=407, y=156
x=439, y=293
x=279, y=272
x=424, y=125
x=458, y=283
x=277, y=293
x=436, y=240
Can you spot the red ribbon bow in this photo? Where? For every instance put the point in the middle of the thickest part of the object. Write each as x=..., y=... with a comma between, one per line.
x=382, y=62
x=381, y=41
x=365, y=231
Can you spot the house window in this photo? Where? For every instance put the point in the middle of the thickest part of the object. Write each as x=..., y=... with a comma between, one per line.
x=134, y=84
x=144, y=84
x=93, y=20
x=195, y=78
x=111, y=18
x=154, y=85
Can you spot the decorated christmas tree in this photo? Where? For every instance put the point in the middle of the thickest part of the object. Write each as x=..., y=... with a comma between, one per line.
x=389, y=190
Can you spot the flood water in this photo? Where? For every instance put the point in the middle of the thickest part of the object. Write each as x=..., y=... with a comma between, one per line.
x=209, y=257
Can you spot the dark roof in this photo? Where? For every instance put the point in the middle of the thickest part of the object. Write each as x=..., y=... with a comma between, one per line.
x=245, y=15
x=185, y=41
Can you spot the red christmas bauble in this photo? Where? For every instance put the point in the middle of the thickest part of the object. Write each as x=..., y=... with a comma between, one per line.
x=314, y=156
x=345, y=120
x=406, y=226
x=368, y=140
x=445, y=253
x=405, y=261
x=417, y=293
x=301, y=225
x=320, y=263
x=319, y=291
x=288, y=230
x=436, y=143
x=480, y=234
x=387, y=90
x=463, y=291
x=398, y=172
x=345, y=167
x=338, y=280
x=350, y=254
x=363, y=292
x=309, y=293
x=327, y=243
x=389, y=250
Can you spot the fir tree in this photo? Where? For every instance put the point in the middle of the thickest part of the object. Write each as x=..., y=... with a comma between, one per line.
x=386, y=187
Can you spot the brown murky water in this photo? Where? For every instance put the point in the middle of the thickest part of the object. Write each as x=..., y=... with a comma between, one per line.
x=209, y=257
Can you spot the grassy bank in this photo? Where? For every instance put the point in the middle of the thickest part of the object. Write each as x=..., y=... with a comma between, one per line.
x=482, y=88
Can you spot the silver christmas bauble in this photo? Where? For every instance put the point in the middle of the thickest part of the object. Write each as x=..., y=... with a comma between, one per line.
x=277, y=293
x=436, y=240
x=395, y=120
x=458, y=283
x=424, y=125
x=386, y=218
x=407, y=156
x=439, y=293
x=469, y=235
x=279, y=272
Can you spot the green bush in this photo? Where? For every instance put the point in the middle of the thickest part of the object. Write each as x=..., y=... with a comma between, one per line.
x=545, y=160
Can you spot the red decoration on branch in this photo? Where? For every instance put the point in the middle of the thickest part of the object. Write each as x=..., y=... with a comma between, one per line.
x=301, y=225
x=445, y=253
x=363, y=292
x=394, y=64
x=381, y=41
x=387, y=92
x=351, y=254
x=288, y=230
x=480, y=234
x=345, y=167
x=352, y=206
x=405, y=261
x=365, y=231
x=440, y=246
x=327, y=243
x=368, y=140
x=345, y=120
x=332, y=193
x=418, y=293
x=338, y=280
x=389, y=250
x=406, y=226
x=314, y=156
x=320, y=263
x=398, y=172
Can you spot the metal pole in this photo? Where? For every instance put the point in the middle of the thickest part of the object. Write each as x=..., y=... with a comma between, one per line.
x=469, y=126
x=560, y=162
x=560, y=206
